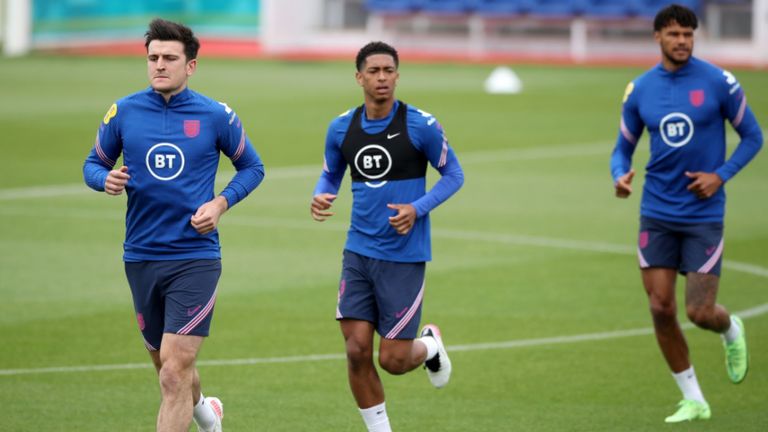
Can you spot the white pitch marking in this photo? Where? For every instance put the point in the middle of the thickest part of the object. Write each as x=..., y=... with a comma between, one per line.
x=747, y=313
x=302, y=171
x=520, y=343
x=490, y=237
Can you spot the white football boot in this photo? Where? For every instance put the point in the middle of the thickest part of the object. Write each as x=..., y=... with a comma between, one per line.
x=438, y=367
x=218, y=409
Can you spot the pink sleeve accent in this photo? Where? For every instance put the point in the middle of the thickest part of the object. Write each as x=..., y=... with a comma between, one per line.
x=626, y=133
x=240, y=147
x=100, y=152
x=740, y=115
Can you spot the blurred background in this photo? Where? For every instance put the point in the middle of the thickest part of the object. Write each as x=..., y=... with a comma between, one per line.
x=733, y=31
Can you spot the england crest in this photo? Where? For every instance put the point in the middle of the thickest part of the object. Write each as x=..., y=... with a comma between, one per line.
x=696, y=97
x=191, y=128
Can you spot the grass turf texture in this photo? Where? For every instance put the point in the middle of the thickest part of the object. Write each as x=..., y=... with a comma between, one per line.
x=534, y=246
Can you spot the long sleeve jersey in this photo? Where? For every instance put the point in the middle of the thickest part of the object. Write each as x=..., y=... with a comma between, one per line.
x=685, y=112
x=388, y=160
x=172, y=153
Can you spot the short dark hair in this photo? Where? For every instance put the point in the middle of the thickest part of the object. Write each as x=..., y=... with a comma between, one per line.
x=160, y=29
x=675, y=12
x=375, y=48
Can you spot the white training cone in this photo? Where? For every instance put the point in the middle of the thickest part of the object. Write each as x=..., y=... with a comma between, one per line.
x=503, y=80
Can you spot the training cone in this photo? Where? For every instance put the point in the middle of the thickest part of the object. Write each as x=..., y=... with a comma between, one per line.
x=503, y=80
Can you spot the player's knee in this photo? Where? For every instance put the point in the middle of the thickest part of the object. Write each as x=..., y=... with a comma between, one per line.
x=663, y=310
x=176, y=373
x=699, y=315
x=358, y=354
x=393, y=363
x=171, y=378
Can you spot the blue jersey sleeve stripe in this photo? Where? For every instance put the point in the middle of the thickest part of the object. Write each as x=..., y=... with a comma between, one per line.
x=629, y=136
x=240, y=147
x=443, y=155
x=101, y=154
x=740, y=115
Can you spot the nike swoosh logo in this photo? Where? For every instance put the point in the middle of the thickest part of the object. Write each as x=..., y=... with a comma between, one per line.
x=393, y=135
x=191, y=312
x=710, y=250
x=401, y=313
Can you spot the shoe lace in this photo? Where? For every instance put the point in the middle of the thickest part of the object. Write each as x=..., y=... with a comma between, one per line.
x=734, y=351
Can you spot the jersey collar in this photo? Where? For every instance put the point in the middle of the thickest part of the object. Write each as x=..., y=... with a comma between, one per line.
x=364, y=121
x=687, y=67
x=175, y=99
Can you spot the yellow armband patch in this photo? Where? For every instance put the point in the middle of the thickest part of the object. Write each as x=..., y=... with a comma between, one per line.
x=110, y=114
x=628, y=91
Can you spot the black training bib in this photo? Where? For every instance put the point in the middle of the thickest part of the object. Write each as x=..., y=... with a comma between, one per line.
x=388, y=155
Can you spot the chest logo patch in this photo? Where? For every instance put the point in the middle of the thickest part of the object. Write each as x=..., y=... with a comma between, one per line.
x=676, y=129
x=696, y=97
x=373, y=161
x=165, y=161
x=191, y=128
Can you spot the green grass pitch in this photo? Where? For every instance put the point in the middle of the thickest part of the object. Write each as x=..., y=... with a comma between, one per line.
x=533, y=253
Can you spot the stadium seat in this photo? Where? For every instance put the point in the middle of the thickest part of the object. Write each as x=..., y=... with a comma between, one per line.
x=649, y=8
x=610, y=9
x=557, y=8
x=392, y=7
x=499, y=8
x=444, y=7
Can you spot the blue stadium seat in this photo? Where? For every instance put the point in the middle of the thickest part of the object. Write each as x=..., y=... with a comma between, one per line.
x=444, y=7
x=500, y=8
x=649, y=8
x=392, y=7
x=557, y=8
x=610, y=9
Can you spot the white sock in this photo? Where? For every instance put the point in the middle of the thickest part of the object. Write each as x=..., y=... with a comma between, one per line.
x=733, y=332
x=203, y=414
x=375, y=418
x=689, y=385
x=431, y=345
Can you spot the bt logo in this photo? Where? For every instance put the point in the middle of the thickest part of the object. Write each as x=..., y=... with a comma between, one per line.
x=373, y=162
x=676, y=129
x=165, y=161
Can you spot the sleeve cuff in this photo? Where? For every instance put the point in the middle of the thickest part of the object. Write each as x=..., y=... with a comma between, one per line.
x=230, y=195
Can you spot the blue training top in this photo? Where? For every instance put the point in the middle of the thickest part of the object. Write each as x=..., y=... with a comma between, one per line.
x=172, y=154
x=685, y=113
x=370, y=233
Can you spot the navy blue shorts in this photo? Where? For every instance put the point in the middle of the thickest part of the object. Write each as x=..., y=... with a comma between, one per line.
x=385, y=293
x=173, y=297
x=686, y=247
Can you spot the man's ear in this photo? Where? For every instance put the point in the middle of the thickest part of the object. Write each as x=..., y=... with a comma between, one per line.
x=191, y=67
